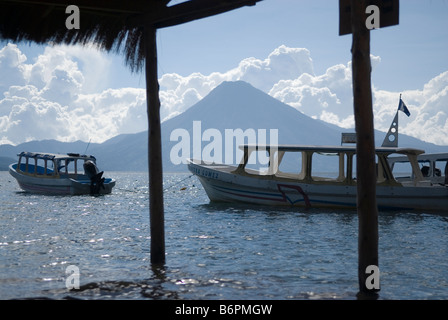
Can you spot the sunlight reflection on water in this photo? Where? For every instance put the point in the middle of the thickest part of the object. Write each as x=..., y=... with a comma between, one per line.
x=213, y=251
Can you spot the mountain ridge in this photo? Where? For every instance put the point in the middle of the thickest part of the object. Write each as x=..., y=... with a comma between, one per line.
x=231, y=105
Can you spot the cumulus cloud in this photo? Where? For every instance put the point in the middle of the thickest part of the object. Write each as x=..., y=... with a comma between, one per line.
x=12, y=67
x=428, y=108
x=179, y=93
x=55, y=98
x=62, y=95
x=287, y=75
x=328, y=97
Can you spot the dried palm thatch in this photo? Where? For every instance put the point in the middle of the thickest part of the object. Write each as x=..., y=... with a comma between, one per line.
x=44, y=22
x=113, y=25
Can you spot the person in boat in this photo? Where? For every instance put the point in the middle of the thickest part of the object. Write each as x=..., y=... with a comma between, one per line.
x=425, y=171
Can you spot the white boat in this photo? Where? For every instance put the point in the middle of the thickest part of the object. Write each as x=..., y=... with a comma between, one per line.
x=308, y=187
x=59, y=174
x=401, y=183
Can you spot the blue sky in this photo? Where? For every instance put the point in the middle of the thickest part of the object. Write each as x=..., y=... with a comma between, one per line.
x=64, y=85
x=411, y=53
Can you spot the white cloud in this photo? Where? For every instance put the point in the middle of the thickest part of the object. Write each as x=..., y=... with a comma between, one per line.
x=428, y=108
x=55, y=98
x=12, y=67
x=327, y=97
x=63, y=94
x=179, y=93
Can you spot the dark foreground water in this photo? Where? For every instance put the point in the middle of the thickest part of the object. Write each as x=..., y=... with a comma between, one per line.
x=213, y=251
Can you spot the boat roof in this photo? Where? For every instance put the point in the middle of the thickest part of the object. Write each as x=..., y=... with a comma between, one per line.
x=53, y=156
x=441, y=156
x=328, y=149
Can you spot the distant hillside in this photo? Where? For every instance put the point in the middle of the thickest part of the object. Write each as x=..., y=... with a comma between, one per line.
x=232, y=105
x=5, y=162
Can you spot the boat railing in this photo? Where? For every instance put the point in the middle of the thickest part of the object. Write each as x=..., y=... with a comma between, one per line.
x=343, y=164
x=433, y=167
x=35, y=169
x=35, y=166
x=51, y=166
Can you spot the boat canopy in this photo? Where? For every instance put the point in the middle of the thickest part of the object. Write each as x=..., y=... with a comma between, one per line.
x=50, y=164
x=326, y=149
x=344, y=166
x=55, y=156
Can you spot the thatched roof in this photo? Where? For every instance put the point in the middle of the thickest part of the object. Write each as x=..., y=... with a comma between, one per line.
x=111, y=24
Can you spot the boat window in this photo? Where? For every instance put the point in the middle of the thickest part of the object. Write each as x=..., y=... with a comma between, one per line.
x=440, y=166
x=68, y=166
x=328, y=166
x=292, y=164
x=32, y=165
x=40, y=169
x=426, y=168
x=258, y=160
x=381, y=171
x=402, y=170
x=353, y=167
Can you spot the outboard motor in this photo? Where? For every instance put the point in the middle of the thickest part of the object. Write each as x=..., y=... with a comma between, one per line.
x=96, y=177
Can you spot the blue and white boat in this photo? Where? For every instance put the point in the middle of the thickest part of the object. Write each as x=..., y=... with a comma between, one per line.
x=60, y=174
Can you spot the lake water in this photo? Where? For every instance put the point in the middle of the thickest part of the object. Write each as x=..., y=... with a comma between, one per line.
x=213, y=251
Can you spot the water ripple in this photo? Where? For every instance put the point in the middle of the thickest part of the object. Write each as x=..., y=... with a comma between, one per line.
x=213, y=251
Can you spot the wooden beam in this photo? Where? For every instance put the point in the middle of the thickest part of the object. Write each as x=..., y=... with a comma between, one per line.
x=111, y=6
x=156, y=210
x=186, y=12
x=140, y=13
x=198, y=9
x=389, y=16
x=365, y=146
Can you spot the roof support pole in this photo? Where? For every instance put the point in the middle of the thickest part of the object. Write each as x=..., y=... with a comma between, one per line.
x=365, y=148
x=156, y=211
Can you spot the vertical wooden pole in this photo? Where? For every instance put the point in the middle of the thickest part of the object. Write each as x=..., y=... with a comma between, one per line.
x=157, y=223
x=365, y=146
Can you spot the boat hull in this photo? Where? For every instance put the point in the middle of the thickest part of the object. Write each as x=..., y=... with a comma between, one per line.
x=221, y=183
x=57, y=186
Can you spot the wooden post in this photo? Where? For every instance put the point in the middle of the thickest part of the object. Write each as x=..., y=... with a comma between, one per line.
x=157, y=220
x=365, y=145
